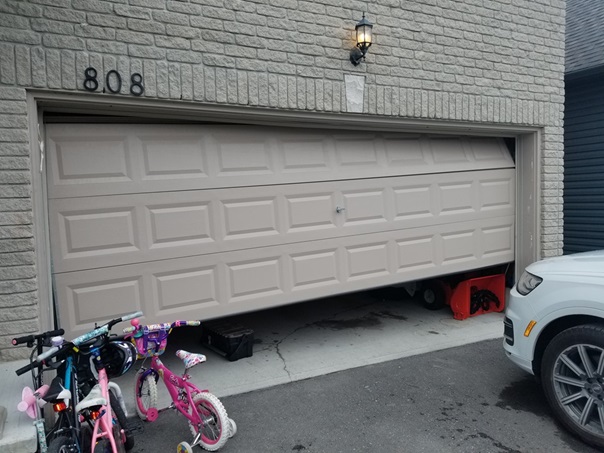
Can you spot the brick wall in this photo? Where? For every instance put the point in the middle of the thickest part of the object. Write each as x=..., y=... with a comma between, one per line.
x=481, y=61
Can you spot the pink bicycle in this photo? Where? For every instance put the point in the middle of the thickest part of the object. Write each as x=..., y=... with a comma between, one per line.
x=206, y=415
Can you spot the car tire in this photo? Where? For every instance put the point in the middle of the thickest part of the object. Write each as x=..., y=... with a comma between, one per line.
x=572, y=375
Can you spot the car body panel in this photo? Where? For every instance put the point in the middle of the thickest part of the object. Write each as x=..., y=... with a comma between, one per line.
x=572, y=285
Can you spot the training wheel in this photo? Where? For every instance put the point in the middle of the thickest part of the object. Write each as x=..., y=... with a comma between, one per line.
x=152, y=414
x=233, y=427
x=184, y=447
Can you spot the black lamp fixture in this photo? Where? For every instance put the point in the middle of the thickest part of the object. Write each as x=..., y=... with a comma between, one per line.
x=363, y=36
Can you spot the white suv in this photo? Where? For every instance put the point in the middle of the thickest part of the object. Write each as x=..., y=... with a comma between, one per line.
x=554, y=329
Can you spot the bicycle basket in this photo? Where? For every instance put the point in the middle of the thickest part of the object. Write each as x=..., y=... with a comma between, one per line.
x=152, y=340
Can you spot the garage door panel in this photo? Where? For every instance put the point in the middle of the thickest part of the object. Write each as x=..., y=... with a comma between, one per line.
x=460, y=246
x=90, y=303
x=106, y=159
x=250, y=218
x=186, y=287
x=249, y=280
x=357, y=151
x=87, y=234
x=457, y=198
x=126, y=229
x=496, y=193
x=405, y=152
x=483, y=150
x=367, y=261
x=159, y=164
x=498, y=240
x=179, y=224
x=365, y=206
x=232, y=162
x=414, y=202
x=304, y=153
x=213, y=285
x=417, y=253
x=447, y=150
x=310, y=212
x=313, y=269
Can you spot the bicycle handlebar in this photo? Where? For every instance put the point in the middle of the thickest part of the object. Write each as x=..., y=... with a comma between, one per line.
x=41, y=358
x=161, y=326
x=104, y=329
x=99, y=331
x=41, y=336
x=26, y=368
x=186, y=323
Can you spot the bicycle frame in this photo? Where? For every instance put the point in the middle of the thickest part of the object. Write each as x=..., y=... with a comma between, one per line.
x=70, y=382
x=176, y=385
x=103, y=425
x=207, y=418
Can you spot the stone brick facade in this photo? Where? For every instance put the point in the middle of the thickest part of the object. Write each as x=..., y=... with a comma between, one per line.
x=477, y=61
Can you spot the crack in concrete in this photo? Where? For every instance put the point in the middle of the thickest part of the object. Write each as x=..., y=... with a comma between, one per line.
x=277, y=344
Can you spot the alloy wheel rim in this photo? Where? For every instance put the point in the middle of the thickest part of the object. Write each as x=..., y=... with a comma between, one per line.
x=579, y=386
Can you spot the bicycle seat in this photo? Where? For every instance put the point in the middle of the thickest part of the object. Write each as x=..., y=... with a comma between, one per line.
x=57, y=391
x=94, y=398
x=190, y=358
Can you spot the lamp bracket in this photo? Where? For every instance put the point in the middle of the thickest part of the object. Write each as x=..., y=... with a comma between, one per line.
x=356, y=55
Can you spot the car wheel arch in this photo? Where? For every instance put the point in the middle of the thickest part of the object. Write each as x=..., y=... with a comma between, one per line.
x=554, y=328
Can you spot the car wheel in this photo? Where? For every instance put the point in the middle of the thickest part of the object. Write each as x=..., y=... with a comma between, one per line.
x=572, y=376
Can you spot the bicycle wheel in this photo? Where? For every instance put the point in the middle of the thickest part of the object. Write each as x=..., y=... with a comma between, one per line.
x=145, y=391
x=215, y=426
x=103, y=446
x=62, y=444
x=117, y=436
x=118, y=413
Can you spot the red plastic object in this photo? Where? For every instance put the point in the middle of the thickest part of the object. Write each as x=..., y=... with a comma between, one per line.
x=462, y=295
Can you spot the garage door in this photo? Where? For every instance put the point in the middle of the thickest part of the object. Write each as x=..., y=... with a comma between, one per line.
x=202, y=221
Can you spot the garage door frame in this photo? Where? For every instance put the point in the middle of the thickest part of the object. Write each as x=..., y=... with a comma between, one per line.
x=528, y=162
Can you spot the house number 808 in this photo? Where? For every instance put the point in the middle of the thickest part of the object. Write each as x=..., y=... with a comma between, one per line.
x=113, y=81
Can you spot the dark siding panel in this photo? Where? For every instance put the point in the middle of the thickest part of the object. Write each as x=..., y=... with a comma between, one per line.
x=584, y=166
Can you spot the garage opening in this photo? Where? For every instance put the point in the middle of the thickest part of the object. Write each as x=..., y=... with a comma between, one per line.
x=204, y=221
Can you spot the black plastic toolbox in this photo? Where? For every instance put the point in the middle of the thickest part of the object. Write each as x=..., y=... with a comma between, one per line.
x=231, y=340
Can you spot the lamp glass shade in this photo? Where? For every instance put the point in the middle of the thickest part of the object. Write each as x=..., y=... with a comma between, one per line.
x=363, y=30
x=364, y=35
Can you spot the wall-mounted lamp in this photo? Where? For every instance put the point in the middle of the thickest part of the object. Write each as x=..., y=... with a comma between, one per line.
x=363, y=32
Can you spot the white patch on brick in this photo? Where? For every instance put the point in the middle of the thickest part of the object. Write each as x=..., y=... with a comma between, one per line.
x=355, y=89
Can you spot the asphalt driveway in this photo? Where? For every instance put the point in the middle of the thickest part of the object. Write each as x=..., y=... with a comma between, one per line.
x=464, y=399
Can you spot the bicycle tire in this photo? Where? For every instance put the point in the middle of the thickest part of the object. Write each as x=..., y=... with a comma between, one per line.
x=145, y=400
x=119, y=414
x=215, y=432
x=61, y=444
x=103, y=446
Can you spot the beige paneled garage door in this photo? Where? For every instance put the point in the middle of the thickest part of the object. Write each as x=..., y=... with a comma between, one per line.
x=206, y=221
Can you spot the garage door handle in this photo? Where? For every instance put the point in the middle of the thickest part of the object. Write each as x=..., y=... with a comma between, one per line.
x=339, y=209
